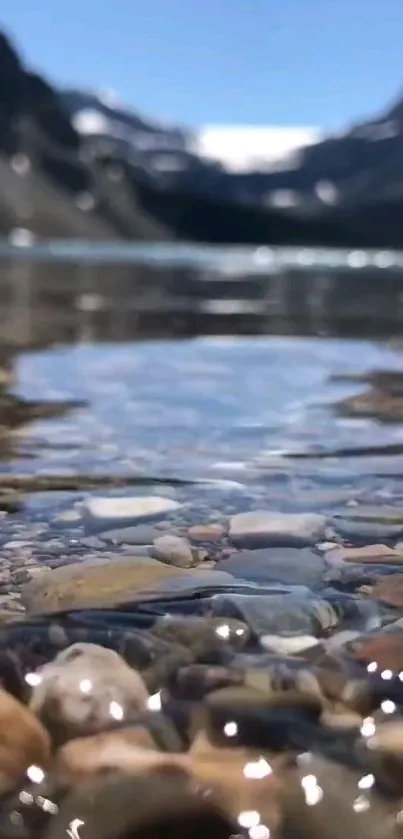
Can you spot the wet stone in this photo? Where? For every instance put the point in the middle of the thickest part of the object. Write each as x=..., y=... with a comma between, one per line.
x=265, y=722
x=288, y=646
x=92, y=542
x=174, y=550
x=288, y=611
x=388, y=589
x=109, y=510
x=262, y=528
x=100, y=583
x=85, y=688
x=161, y=804
x=206, y=532
x=388, y=738
x=24, y=741
x=128, y=751
x=287, y=566
x=138, y=534
x=376, y=554
x=337, y=801
x=351, y=577
x=202, y=634
x=196, y=680
x=385, y=650
x=367, y=524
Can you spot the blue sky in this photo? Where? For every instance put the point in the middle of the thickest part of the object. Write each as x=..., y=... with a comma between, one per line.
x=284, y=62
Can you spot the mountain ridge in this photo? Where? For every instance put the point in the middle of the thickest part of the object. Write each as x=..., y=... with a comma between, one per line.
x=123, y=176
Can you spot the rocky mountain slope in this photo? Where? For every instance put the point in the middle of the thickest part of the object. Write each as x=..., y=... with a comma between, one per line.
x=75, y=166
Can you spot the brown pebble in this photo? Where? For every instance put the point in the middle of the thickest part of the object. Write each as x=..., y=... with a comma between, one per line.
x=369, y=553
x=340, y=717
x=206, y=532
x=24, y=741
x=128, y=751
x=202, y=634
x=389, y=589
x=141, y=808
x=386, y=650
x=388, y=738
x=241, y=779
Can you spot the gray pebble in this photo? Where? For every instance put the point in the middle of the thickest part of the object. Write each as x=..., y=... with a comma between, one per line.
x=139, y=534
x=287, y=566
x=265, y=528
x=91, y=542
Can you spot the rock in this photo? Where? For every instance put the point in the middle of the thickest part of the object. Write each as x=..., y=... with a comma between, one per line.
x=85, y=689
x=389, y=590
x=128, y=508
x=95, y=584
x=92, y=542
x=138, y=534
x=186, y=580
x=259, y=692
x=68, y=517
x=163, y=805
x=288, y=611
x=206, y=532
x=174, y=550
x=292, y=645
x=386, y=650
x=341, y=718
x=364, y=523
x=321, y=799
x=377, y=554
x=388, y=738
x=327, y=547
x=24, y=741
x=130, y=750
x=201, y=635
x=242, y=781
x=288, y=566
x=262, y=528
x=196, y=680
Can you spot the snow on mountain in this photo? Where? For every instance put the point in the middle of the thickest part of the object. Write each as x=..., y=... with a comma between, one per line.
x=246, y=148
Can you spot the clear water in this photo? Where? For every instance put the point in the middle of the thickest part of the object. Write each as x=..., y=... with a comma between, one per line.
x=205, y=368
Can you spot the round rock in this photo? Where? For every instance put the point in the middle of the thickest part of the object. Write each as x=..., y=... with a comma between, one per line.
x=85, y=689
x=262, y=527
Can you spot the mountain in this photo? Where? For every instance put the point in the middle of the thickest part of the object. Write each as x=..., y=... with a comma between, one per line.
x=77, y=165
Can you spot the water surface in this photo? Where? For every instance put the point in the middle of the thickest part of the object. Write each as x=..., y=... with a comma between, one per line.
x=212, y=374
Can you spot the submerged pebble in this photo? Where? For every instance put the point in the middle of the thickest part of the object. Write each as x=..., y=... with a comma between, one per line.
x=137, y=534
x=100, y=583
x=128, y=507
x=174, y=550
x=287, y=566
x=272, y=528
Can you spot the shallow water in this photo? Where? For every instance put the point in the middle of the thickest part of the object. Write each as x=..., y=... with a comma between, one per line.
x=218, y=384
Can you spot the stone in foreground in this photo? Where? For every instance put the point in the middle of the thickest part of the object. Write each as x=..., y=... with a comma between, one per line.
x=84, y=690
x=24, y=741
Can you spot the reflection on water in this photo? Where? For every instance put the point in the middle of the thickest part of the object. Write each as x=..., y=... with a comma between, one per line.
x=69, y=302
x=114, y=337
